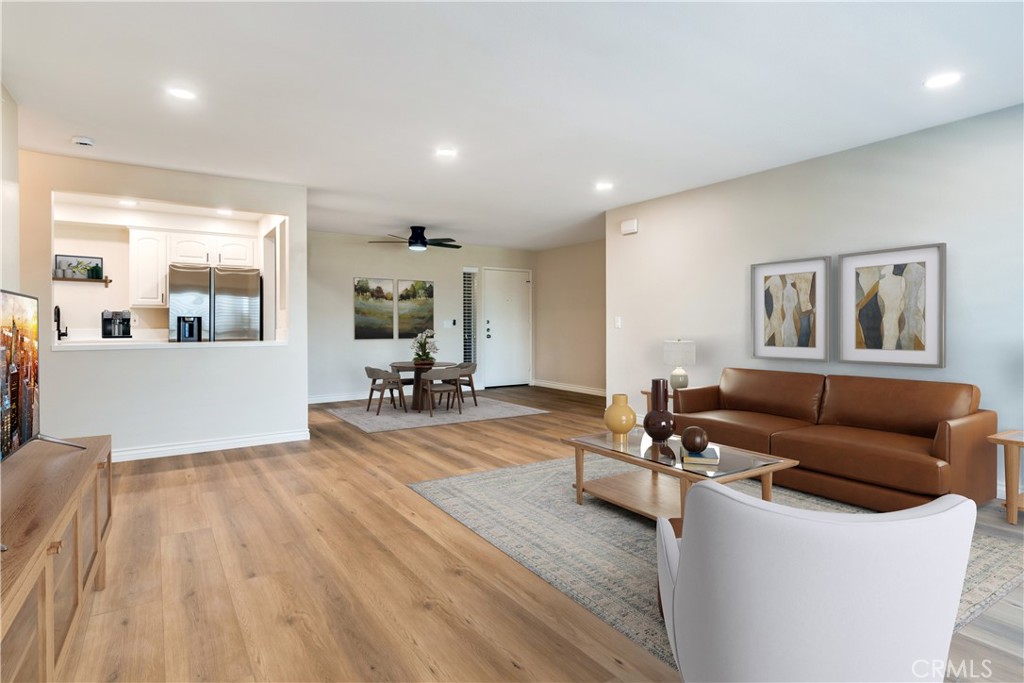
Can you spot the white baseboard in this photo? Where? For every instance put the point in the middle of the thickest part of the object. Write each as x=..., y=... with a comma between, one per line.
x=187, y=447
x=567, y=387
x=331, y=398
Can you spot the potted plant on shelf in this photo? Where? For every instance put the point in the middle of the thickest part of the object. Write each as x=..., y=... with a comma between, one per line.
x=424, y=349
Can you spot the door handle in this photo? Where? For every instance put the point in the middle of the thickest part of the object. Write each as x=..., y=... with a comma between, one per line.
x=488, y=336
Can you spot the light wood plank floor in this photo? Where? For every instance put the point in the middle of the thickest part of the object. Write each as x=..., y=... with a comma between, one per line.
x=315, y=561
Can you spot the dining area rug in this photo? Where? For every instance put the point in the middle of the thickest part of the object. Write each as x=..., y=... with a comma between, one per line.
x=605, y=558
x=391, y=419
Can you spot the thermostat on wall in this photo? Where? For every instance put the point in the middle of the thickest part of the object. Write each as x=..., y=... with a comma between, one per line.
x=630, y=227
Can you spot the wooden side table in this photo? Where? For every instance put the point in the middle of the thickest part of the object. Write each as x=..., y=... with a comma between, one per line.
x=1011, y=442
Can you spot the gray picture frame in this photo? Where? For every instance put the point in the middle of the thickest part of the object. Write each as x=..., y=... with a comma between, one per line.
x=892, y=306
x=803, y=333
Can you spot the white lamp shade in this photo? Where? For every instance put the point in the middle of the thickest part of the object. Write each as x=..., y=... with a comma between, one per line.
x=678, y=353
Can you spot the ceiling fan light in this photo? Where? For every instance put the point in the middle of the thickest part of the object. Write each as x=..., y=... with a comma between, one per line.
x=417, y=240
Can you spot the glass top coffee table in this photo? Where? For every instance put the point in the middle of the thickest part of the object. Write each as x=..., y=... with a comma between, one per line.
x=658, y=487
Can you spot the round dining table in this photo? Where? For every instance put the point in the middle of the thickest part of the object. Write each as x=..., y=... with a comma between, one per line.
x=418, y=370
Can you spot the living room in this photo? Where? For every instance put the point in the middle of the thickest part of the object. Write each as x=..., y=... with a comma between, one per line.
x=405, y=575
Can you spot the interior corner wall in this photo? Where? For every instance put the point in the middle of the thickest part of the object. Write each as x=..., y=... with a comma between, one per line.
x=10, y=271
x=336, y=358
x=171, y=400
x=687, y=272
x=569, y=304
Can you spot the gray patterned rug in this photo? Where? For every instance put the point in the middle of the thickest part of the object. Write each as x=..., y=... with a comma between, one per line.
x=604, y=557
x=391, y=419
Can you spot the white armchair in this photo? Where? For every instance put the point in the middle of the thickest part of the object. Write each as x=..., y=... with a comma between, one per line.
x=756, y=591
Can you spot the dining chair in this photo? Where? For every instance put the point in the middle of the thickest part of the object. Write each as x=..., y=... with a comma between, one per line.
x=406, y=381
x=438, y=382
x=382, y=380
x=466, y=371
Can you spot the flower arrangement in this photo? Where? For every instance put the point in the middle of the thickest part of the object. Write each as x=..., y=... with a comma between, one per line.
x=423, y=346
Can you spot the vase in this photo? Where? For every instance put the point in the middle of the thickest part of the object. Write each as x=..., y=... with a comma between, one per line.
x=659, y=423
x=619, y=418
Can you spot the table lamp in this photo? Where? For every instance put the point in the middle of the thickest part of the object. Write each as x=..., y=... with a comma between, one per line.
x=678, y=353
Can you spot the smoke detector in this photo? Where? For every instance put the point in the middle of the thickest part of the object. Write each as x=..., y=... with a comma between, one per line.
x=83, y=141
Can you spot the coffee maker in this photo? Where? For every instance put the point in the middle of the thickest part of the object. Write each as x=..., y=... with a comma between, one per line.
x=116, y=324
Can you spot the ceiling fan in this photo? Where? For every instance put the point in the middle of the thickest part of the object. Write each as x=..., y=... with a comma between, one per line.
x=417, y=241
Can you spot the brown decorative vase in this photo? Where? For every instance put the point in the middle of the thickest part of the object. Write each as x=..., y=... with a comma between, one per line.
x=694, y=439
x=619, y=418
x=659, y=423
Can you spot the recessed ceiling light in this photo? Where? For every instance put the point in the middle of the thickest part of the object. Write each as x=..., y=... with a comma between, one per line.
x=128, y=202
x=603, y=185
x=181, y=93
x=446, y=152
x=943, y=80
x=83, y=141
x=224, y=212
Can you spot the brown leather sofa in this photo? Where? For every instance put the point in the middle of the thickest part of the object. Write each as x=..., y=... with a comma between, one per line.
x=884, y=444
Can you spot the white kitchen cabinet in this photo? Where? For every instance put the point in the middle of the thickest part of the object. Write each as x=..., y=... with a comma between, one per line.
x=147, y=268
x=191, y=247
x=214, y=250
x=236, y=250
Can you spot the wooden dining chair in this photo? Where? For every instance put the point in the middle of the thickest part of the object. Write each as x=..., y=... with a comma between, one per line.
x=437, y=383
x=382, y=380
x=406, y=381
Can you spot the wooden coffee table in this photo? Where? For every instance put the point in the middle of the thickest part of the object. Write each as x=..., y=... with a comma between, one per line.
x=658, y=486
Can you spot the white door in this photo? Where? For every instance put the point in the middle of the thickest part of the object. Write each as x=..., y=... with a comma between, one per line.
x=505, y=332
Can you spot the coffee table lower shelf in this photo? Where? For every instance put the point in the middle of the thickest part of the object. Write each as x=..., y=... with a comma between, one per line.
x=642, y=492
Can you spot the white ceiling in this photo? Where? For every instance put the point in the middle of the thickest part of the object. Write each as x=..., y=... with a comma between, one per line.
x=542, y=100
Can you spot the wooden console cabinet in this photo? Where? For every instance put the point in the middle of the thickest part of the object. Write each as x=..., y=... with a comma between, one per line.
x=56, y=514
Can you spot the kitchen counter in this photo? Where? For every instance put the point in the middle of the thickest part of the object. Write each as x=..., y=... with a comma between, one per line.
x=139, y=344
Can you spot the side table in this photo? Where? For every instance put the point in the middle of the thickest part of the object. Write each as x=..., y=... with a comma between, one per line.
x=1011, y=442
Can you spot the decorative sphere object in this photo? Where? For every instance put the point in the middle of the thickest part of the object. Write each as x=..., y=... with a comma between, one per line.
x=694, y=439
x=659, y=425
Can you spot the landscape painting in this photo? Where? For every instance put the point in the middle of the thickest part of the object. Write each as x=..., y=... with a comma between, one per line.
x=415, y=307
x=374, y=306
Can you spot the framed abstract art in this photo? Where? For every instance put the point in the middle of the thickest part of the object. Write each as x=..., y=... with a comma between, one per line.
x=892, y=306
x=789, y=303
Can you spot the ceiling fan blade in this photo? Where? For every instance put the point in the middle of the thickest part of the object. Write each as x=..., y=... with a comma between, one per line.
x=440, y=239
x=397, y=237
x=445, y=245
x=385, y=242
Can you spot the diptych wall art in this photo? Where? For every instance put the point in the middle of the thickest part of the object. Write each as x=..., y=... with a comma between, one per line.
x=789, y=302
x=415, y=307
x=374, y=308
x=891, y=306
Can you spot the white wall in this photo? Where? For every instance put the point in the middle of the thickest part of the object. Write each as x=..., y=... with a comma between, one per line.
x=174, y=399
x=9, y=250
x=569, y=348
x=82, y=302
x=687, y=273
x=336, y=358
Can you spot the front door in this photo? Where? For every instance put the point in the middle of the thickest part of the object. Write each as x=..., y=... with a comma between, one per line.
x=505, y=332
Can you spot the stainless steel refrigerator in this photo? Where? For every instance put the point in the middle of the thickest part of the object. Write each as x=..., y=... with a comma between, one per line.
x=214, y=303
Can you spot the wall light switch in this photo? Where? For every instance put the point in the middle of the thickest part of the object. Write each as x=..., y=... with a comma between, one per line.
x=630, y=227
x=618, y=322
x=449, y=323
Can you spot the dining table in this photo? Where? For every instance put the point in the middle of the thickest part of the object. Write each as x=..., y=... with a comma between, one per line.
x=418, y=369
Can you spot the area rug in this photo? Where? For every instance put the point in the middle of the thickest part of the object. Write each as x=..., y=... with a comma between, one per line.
x=391, y=419
x=604, y=557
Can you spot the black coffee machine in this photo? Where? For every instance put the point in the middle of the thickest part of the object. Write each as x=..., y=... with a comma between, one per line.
x=116, y=324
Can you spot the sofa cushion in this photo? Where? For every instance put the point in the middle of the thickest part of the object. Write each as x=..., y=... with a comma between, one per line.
x=796, y=395
x=895, y=405
x=898, y=461
x=738, y=428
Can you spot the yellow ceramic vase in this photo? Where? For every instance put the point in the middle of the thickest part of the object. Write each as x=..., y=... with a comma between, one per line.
x=619, y=417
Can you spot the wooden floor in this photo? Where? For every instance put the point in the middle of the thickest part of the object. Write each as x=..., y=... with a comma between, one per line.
x=315, y=561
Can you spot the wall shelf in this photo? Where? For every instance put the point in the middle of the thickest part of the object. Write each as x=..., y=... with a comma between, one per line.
x=106, y=280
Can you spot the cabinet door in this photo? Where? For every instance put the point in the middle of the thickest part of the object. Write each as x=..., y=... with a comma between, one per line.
x=22, y=654
x=66, y=586
x=236, y=251
x=190, y=247
x=147, y=268
x=87, y=530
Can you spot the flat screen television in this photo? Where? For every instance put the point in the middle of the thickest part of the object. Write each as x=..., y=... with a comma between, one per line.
x=19, y=377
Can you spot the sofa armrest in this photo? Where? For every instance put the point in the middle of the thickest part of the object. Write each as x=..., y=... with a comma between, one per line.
x=972, y=459
x=695, y=400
